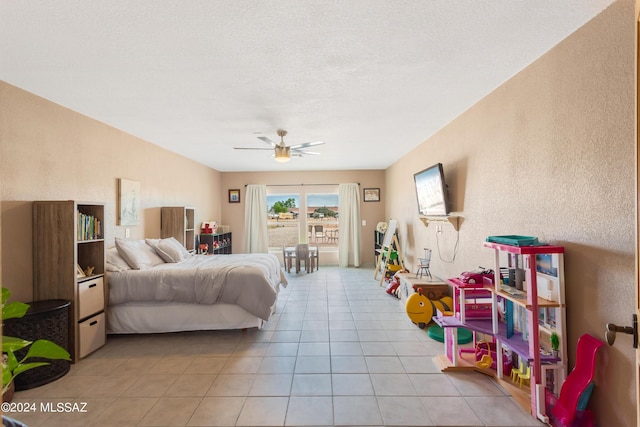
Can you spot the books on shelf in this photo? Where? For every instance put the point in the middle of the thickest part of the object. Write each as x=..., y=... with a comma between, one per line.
x=89, y=227
x=512, y=291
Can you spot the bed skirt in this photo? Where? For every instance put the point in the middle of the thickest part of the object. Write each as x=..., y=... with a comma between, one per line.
x=149, y=318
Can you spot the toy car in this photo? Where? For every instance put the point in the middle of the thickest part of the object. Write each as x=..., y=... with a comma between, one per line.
x=479, y=276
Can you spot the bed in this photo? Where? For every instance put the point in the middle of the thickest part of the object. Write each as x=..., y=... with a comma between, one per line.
x=156, y=286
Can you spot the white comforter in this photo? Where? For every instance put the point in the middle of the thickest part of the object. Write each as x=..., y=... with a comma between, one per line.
x=247, y=280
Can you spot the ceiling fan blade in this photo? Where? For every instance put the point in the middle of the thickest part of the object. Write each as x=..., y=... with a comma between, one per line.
x=306, y=144
x=267, y=140
x=250, y=148
x=313, y=153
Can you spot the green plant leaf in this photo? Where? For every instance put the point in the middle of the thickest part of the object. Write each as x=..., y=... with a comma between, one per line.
x=47, y=350
x=6, y=293
x=11, y=344
x=14, y=310
x=555, y=341
x=40, y=348
x=6, y=377
x=27, y=366
x=8, y=367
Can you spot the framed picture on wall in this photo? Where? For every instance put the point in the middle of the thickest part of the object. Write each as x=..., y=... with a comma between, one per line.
x=371, y=194
x=128, y=202
x=234, y=196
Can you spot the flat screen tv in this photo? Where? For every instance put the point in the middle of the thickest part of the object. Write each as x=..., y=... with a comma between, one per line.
x=431, y=191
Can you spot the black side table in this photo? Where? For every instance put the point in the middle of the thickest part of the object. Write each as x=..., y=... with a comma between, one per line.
x=48, y=320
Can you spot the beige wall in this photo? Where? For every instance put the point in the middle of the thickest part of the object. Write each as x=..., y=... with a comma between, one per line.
x=550, y=154
x=48, y=152
x=371, y=212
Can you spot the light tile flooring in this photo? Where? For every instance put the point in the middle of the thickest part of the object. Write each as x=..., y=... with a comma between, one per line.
x=339, y=351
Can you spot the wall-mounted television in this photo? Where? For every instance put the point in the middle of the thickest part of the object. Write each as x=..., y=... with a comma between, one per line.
x=431, y=191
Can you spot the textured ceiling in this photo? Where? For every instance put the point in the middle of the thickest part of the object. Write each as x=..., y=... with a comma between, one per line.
x=371, y=78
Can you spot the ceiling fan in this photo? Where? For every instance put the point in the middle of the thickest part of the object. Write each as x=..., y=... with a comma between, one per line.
x=282, y=152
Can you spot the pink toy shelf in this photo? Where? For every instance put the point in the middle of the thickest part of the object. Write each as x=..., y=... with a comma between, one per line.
x=517, y=320
x=476, y=297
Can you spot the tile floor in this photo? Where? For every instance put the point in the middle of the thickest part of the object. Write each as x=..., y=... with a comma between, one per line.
x=339, y=351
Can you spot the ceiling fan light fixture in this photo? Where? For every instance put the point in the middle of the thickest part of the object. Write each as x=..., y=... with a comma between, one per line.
x=283, y=154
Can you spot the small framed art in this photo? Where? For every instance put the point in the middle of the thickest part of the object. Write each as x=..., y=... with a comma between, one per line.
x=371, y=194
x=234, y=196
x=128, y=202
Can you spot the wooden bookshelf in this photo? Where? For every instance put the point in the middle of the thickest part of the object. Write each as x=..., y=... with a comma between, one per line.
x=60, y=245
x=179, y=222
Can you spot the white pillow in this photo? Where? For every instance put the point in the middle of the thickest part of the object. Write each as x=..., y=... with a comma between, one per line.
x=137, y=254
x=152, y=242
x=115, y=261
x=169, y=249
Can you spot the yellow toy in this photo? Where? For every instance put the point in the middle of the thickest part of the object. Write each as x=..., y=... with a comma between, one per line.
x=526, y=376
x=421, y=309
x=486, y=361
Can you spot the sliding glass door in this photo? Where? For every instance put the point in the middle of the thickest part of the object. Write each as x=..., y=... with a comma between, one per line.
x=283, y=219
x=322, y=220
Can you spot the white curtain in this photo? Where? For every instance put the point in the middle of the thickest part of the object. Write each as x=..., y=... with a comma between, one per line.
x=256, y=235
x=349, y=225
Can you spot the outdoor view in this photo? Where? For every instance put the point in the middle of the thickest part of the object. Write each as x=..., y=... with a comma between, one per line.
x=320, y=220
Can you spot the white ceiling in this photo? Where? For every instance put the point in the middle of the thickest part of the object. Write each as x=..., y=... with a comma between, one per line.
x=371, y=78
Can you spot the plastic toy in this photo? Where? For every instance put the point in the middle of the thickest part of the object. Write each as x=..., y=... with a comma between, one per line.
x=435, y=332
x=392, y=287
x=515, y=372
x=477, y=276
x=423, y=267
x=210, y=227
x=576, y=390
x=524, y=376
x=391, y=270
x=421, y=309
x=486, y=360
x=484, y=348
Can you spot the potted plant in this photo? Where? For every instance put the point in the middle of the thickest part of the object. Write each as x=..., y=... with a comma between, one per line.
x=555, y=343
x=11, y=366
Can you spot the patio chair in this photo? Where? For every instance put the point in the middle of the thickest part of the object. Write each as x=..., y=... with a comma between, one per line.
x=319, y=234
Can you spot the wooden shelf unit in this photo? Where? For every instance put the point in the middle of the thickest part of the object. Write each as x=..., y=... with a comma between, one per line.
x=179, y=222
x=58, y=248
